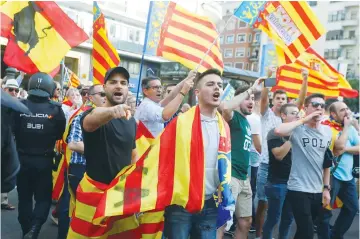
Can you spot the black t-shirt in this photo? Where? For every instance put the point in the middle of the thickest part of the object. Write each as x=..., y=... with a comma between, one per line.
x=279, y=171
x=108, y=149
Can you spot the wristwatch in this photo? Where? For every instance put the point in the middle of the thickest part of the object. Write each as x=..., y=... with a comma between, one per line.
x=327, y=187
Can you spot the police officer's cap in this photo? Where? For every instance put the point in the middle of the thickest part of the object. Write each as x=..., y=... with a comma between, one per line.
x=41, y=85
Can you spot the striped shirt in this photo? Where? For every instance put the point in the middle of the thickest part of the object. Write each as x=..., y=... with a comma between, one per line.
x=75, y=135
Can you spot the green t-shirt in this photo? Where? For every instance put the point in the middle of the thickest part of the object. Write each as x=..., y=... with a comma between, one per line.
x=240, y=145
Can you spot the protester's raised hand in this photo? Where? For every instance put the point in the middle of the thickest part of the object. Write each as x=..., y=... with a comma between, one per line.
x=304, y=73
x=255, y=87
x=188, y=84
x=120, y=111
x=311, y=116
x=191, y=75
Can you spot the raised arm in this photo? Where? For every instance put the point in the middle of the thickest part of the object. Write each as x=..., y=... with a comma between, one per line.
x=302, y=94
x=340, y=142
x=101, y=115
x=175, y=92
x=229, y=106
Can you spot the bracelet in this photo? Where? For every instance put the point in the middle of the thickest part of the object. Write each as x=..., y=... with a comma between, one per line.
x=182, y=93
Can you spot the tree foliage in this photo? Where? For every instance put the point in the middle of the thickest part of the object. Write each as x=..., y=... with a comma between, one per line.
x=353, y=103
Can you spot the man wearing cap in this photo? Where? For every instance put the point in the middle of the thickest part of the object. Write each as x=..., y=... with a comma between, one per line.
x=109, y=140
x=35, y=136
x=11, y=86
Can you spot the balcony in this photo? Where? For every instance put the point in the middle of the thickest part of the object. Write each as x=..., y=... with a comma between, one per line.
x=254, y=58
x=255, y=43
x=348, y=41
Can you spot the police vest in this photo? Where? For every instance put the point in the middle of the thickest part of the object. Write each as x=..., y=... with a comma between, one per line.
x=36, y=133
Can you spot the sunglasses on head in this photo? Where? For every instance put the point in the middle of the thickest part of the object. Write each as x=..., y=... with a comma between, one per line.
x=317, y=104
x=13, y=89
x=102, y=94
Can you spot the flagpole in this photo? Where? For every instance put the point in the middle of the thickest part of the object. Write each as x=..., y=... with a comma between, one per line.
x=62, y=76
x=214, y=42
x=144, y=50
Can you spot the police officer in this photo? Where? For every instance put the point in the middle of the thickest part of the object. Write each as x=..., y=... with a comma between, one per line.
x=35, y=136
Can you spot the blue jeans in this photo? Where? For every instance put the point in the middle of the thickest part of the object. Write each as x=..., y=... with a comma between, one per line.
x=346, y=191
x=76, y=173
x=277, y=206
x=253, y=179
x=180, y=224
x=261, y=181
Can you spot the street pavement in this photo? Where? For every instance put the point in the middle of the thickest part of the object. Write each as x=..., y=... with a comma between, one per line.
x=10, y=228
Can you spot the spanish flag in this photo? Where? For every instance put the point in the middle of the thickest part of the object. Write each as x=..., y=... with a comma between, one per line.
x=323, y=78
x=170, y=172
x=186, y=37
x=39, y=33
x=292, y=25
x=104, y=53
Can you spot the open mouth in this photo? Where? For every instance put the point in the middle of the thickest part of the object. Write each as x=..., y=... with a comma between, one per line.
x=216, y=96
x=118, y=94
x=158, y=95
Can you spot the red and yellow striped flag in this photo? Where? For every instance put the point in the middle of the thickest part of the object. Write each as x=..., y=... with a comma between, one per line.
x=73, y=80
x=39, y=33
x=323, y=78
x=185, y=37
x=292, y=25
x=104, y=55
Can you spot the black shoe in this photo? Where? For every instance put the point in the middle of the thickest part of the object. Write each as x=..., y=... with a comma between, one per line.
x=33, y=233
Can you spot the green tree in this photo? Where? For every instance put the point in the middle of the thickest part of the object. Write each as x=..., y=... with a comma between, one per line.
x=353, y=103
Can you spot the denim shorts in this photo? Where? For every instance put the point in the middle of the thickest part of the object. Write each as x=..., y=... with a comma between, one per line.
x=261, y=181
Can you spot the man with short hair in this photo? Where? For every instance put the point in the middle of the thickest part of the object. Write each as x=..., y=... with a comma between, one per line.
x=235, y=112
x=270, y=118
x=77, y=162
x=202, y=225
x=278, y=176
x=309, y=179
x=154, y=111
x=346, y=142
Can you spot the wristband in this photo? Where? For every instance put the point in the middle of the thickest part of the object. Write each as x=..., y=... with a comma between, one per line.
x=182, y=93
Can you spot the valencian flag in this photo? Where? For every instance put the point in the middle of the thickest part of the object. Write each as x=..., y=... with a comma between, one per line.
x=39, y=35
x=179, y=35
x=73, y=79
x=323, y=78
x=104, y=55
x=292, y=25
x=170, y=172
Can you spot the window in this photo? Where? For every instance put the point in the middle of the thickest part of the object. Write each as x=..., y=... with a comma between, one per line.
x=352, y=34
x=239, y=65
x=247, y=66
x=137, y=36
x=229, y=64
x=231, y=25
x=248, y=52
x=228, y=53
x=241, y=38
x=230, y=39
x=312, y=3
x=257, y=37
x=255, y=66
x=348, y=53
x=113, y=30
x=353, y=15
x=240, y=52
x=134, y=68
x=131, y=35
x=326, y=53
x=242, y=24
x=332, y=53
x=250, y=37
x=221, y=39
x=124, y=64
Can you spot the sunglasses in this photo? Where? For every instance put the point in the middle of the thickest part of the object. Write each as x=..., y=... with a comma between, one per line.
x=13, y=89
x=102, y=94
x=158, y=87
x=84, y=93
x=316, y=104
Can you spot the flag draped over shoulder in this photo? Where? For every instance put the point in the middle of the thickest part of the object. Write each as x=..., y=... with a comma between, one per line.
x=58, y=175
x=336, y=128
x=170, y=172
x=323, y=78
x=104, y=55
x=182, y=36
x=39, y=35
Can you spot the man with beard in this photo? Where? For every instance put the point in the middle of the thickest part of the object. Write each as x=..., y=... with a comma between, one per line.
x=346, y=143
x=308, y=185
x=235, y=112
x=108, y=135
x=270, y=118
x=154, y=111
